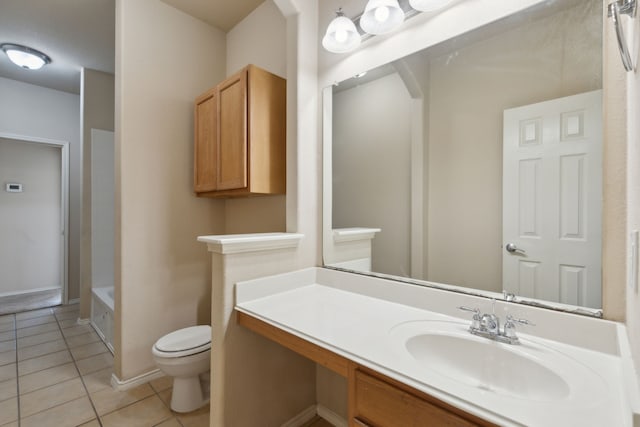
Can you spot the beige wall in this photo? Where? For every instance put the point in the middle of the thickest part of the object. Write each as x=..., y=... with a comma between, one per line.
x=633, y=177
x=96, y=112
x=31, y=247
x=256, y=382
x=614, y=216
x=164, y=59
x=259, y=39
x=371, y=178
x=34, y=111
x=540, y=60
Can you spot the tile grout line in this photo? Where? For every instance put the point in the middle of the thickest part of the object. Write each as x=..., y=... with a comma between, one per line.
x=77, y=370
x=86, y=390
x=172, y=416
x=168, y=406
x=15, y=335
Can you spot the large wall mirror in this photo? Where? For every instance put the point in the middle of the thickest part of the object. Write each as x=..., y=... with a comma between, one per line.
x=476, y=164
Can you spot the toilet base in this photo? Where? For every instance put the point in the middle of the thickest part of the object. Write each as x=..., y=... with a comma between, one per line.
x=187, y=394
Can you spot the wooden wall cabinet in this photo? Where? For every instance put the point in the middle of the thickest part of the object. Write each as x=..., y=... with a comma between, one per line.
x=240, y=136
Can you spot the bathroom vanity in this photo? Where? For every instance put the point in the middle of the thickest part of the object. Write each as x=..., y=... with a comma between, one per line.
x=373, y=397
x=410, y=360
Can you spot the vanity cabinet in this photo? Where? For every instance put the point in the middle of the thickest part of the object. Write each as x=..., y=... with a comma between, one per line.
x=240, y=136
x=375, y=400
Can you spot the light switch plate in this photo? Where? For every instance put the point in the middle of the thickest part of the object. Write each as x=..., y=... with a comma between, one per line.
x=13, y=187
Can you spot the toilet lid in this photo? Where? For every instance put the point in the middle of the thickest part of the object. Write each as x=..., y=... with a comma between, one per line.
x=194, y=337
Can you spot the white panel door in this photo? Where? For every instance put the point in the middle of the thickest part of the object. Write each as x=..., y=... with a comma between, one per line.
x=552, y=200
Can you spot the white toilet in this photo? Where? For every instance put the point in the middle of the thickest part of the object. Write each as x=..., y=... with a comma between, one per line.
x=185, y=354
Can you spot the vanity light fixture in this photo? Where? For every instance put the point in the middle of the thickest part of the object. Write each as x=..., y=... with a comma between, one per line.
x=381, y=16
x=428, y=5
x=342, y=35
x=24, y=56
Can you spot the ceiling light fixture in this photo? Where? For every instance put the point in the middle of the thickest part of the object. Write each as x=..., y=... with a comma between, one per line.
x=24, y=56
x=428, y=5
x=381, y=16
x=342, y=35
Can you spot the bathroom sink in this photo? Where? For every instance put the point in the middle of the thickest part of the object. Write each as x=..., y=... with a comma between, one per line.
x=487, y=365
x=522, y=371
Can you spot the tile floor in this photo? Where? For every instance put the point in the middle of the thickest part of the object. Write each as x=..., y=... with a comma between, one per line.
x=54, y=372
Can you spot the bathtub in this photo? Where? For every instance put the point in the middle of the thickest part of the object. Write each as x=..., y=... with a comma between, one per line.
x=102, y=314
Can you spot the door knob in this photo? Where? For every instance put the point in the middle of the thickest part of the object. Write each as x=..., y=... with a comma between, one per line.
x=513, y=249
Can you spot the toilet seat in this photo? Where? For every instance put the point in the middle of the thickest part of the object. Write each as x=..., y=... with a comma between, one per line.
x=184, y=342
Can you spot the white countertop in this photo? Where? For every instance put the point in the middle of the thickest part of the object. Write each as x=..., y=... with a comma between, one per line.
x=361, y=328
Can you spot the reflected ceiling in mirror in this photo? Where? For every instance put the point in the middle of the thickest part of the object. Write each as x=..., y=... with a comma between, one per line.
x=476, y=163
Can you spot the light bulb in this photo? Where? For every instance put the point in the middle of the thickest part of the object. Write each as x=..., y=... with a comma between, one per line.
x=341, y=36
x=25, y=60
x=381, y=16
x=24, y=56
x=382, y=13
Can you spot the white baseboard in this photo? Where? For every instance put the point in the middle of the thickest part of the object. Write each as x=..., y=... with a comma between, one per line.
x=29, y=291
x=98, y=331
x=73, y=301
x=331, y=416
x=120, y=385
x=302, y=417
x=83, y=321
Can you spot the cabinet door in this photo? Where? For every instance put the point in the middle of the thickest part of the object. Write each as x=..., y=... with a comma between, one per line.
x=205, y=150
x=380, y=404
x=232, y=141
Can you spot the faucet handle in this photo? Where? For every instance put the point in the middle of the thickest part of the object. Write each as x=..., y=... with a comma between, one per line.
x=475, y=321
x=510, y=327
x=472, y=310
x=507, y=296
x=526, y=322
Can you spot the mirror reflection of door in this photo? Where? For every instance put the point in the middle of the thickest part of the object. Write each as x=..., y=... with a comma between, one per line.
x=552, y=200
x=537, y=56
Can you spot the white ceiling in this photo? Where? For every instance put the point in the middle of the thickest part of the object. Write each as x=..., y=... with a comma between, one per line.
x=81, y=33
x=73, y=33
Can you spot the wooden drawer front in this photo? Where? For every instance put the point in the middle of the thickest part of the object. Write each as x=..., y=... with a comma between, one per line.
x=379, y=404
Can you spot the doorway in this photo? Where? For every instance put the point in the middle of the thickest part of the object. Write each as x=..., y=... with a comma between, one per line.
x=33, y=222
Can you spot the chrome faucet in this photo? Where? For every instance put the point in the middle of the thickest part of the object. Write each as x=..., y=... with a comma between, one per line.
x=509, y=297
x=488, y=326
x=490, y=323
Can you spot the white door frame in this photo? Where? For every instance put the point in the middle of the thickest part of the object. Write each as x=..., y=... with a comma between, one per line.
x=64, y=196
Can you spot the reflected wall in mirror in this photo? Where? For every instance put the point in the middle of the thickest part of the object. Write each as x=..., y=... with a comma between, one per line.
x=479, y=160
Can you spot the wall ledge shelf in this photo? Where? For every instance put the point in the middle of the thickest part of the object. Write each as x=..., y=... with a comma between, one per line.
x=354, y=233
x=256, y=242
